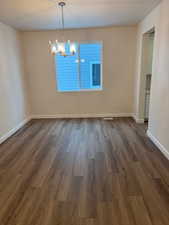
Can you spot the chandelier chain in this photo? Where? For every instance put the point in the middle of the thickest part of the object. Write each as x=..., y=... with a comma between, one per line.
x=63, y=22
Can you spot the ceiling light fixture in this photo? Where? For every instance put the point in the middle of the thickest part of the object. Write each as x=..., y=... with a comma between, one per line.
x=58, y=47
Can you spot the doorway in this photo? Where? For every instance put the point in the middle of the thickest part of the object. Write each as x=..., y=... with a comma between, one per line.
x=146, y=73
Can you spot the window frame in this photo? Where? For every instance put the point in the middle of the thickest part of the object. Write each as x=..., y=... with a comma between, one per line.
x=101, y=69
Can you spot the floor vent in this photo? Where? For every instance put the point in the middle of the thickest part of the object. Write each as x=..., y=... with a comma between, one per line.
x=108, y=118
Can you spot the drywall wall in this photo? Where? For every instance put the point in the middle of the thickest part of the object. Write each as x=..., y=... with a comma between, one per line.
x=159, y=103
x=119, y=47
x=13, y=106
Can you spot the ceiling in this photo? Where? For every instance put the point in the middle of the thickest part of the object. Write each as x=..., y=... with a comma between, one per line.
x=43, y=14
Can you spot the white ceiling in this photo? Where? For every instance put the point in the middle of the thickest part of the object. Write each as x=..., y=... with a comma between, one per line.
x=43, y=14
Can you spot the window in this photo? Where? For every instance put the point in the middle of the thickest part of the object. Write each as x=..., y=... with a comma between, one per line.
x=83, y=71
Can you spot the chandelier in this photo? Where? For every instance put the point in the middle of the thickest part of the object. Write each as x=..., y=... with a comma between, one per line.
x=62, y=48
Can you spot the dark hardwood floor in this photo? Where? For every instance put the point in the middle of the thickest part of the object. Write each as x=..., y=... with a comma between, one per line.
x=83, y=172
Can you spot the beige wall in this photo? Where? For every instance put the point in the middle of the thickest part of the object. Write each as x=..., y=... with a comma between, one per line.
x=13, y=108
x=159, y=102
x=119, y=47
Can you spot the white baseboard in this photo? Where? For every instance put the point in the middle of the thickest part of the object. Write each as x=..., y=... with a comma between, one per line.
x=137, y=120
x=14, y=130
x=158, y=144
x=89, y=115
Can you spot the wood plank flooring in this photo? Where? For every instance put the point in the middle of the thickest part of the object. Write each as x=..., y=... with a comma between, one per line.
x=83, y=172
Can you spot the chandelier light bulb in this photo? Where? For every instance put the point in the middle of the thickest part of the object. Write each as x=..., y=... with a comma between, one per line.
x=53, y=50
x=73, y=48
x=61, y=48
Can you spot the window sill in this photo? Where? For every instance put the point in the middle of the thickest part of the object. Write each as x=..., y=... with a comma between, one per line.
x=82, y=90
